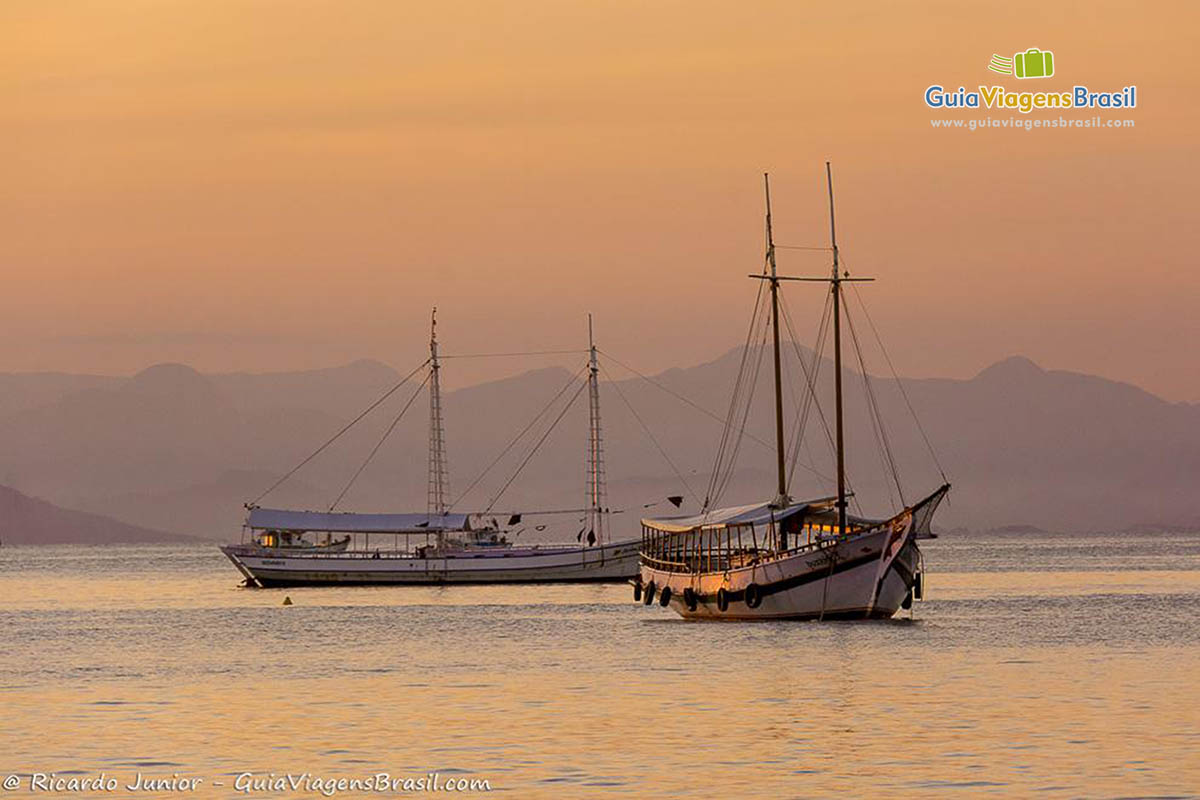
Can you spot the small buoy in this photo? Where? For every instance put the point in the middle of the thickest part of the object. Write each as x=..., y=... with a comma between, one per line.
x=287, y=601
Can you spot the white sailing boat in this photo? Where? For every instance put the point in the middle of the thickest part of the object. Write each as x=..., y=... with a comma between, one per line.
x=438, y=546
x=787, y=559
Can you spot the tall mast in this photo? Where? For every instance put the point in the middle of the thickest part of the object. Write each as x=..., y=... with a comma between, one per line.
x=439, y=482
x=781, y=499
x=837, y=360
x=596, y=488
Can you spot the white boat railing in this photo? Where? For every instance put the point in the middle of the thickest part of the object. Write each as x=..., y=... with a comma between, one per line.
x=411, y=555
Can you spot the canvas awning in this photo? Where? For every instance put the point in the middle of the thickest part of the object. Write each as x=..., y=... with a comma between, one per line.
x=347, y=522
x=754, y=514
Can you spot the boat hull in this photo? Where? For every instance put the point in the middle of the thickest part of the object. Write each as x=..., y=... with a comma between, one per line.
x=609, y=563
x=852, y=579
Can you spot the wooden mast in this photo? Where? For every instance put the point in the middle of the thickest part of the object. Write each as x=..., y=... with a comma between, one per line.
x=781, y=499
x=837, y=360
x=835, y=280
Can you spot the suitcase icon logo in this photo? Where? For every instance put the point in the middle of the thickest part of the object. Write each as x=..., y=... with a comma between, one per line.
x=1033, y=63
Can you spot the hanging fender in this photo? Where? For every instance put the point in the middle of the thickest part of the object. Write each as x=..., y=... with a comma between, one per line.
x=722, y=600
x=689, y=598
x=753, y=595
x=664, y=597
x=648, y=594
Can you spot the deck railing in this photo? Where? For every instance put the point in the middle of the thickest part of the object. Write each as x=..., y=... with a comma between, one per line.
x=732, y=547
x=411, y=555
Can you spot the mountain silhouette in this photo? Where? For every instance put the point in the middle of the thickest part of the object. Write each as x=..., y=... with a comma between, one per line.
x=28, y=520
x=174, y=449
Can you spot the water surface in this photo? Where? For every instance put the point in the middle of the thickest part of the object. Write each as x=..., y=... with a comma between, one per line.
x=1040, y=666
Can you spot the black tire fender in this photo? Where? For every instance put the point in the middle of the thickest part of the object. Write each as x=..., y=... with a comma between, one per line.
x=637, y=592
x=689, y=599
x=664, y=597
x=648, y=594
x=722, y=600
x=753, y=596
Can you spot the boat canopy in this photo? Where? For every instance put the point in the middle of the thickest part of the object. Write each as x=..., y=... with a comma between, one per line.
x=754, y=514
x=822, y=511
x=345, y=522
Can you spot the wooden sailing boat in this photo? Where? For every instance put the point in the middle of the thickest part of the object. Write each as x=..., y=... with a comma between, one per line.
x=787, y=559
x=439, y=546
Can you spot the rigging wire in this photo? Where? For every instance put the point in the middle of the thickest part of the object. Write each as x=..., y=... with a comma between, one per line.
x=338, y=435
x=540, y=441
x=810, y=377
x=900, y=384
x=787, y=318
x=877, y=426
x=506, y=355
x=519, y=436
x=379, y=444
x=721, y=483
x=649, y=434
x=682, y=398
x=733, y=400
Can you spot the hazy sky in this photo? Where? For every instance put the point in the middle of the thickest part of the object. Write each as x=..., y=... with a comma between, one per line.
x=269, y=185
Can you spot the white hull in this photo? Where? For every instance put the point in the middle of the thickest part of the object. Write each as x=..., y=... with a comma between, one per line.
x=613, y=562
x=861, y=581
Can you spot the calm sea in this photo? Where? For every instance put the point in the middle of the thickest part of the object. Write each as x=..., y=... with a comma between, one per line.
x=1040, y=666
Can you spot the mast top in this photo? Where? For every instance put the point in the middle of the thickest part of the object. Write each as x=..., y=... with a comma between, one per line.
x=832, y=226
x=770, y=232
x=433, y=345
x=781, y=498
x=591, y=345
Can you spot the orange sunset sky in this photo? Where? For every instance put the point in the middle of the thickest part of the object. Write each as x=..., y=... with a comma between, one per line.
x=275, y=185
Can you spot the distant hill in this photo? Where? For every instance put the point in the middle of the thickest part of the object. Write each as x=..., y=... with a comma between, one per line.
x=172, y=448
x=211, y=510
x=27, y=520
x=22, y=390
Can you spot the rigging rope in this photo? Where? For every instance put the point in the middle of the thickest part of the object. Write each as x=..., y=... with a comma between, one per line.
x=721, y=482
x=519, y=436
x=649, y=434
x=338, y=435
x=810, y=377
x=787, y=318
x=609, y=356
x=881, y=435
x=540, y=441
x=900, y=384
x=738, y=387
x=379, y=444
x=526, y=353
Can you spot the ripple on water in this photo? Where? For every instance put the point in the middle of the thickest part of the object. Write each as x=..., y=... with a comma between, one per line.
x=1059, y=682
